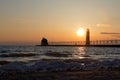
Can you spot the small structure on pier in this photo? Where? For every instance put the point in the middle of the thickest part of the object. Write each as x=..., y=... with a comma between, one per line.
x=44, y=42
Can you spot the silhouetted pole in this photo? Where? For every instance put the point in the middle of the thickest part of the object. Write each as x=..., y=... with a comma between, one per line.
x=87, y=37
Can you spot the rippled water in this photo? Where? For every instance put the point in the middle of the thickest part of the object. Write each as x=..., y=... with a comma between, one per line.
x=29, y=53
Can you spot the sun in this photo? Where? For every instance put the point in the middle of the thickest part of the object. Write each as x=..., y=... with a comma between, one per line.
x=80, y=32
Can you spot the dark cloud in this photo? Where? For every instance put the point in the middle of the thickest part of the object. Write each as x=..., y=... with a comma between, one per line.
x=116, y=36
x=109, y=33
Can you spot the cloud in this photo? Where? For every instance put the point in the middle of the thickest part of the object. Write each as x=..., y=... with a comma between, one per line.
x=109, y=33
x=113, y=34
x=116, y=36
x=103, y=25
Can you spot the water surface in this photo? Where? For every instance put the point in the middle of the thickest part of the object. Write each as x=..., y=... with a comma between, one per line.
x=28, y=53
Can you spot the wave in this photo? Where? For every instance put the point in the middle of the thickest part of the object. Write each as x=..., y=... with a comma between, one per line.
x=18, y=55
x=60, y=65
x=57, y=54
x=4, y=51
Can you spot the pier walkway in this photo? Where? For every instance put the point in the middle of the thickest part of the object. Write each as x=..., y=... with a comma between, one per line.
x=96, y=43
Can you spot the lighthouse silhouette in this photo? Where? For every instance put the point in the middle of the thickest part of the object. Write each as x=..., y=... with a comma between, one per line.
x=87, y=37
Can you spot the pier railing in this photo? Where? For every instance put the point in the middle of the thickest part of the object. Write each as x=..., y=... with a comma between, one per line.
x=96, y=42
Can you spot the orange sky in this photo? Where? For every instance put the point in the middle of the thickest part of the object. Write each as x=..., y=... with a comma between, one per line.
x=27, y=21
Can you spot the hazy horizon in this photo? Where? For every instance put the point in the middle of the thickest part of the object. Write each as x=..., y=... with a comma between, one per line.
x=27, y=21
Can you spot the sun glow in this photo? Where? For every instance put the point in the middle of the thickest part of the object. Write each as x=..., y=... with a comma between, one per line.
x=80, y=32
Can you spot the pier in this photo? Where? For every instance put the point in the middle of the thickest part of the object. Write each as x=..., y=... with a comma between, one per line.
x=88, y=42
x=96, y=43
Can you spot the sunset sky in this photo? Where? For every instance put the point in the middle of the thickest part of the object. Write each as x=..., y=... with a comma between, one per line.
x=27, y=21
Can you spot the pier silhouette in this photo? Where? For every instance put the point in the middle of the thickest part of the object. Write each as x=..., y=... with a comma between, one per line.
x=87, y=43
x=95, y=43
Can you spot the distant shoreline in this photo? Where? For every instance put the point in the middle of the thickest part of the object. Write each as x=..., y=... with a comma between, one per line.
x=83, y=45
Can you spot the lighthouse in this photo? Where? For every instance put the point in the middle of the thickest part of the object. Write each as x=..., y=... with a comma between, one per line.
x=87, y=37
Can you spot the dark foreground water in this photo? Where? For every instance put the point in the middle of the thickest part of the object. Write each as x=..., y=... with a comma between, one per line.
x=30, y=53
x=59, y=63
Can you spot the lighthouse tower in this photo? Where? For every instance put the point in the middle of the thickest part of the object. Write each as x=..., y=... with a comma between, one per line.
x=87, y=37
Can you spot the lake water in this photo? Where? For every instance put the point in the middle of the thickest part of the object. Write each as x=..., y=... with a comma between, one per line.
x=31, y=53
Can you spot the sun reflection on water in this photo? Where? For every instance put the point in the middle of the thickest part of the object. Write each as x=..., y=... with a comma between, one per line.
x=82, y=53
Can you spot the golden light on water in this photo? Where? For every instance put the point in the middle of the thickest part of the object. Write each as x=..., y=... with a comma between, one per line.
x=80, y=32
